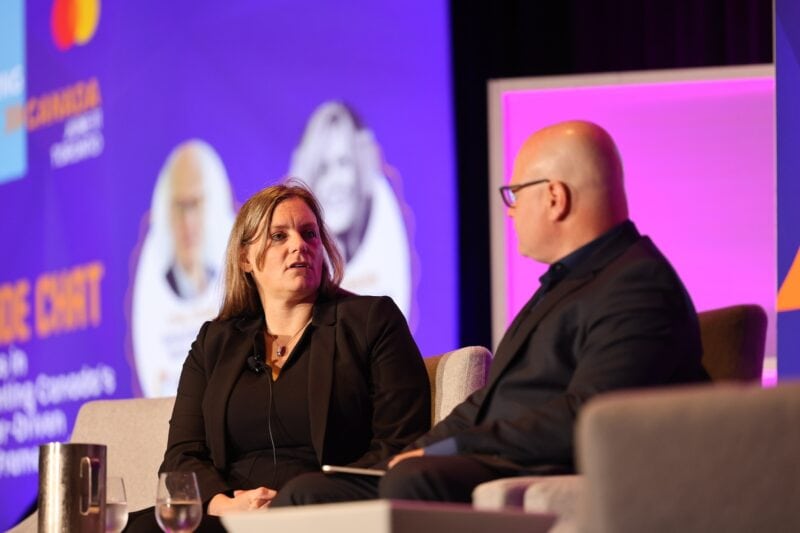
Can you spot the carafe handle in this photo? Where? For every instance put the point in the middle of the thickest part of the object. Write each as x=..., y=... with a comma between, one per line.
x=86, y=486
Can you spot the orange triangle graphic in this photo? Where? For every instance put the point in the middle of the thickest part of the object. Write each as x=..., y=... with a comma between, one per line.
x=789, y=293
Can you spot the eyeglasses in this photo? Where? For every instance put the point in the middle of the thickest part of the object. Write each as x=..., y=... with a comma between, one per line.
x=509, y=192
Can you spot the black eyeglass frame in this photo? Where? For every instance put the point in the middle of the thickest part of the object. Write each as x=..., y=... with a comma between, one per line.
x=508, y=192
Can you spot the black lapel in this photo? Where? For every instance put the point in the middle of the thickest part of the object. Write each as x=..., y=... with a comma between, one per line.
x=527, y=320
x=511, y=343
x=229, y=365
x=320, y=371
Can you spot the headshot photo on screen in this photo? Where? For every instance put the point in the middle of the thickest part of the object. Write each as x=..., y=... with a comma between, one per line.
x=177, y=278
x=340, y=160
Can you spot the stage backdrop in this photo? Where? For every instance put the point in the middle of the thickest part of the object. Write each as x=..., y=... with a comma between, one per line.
x=698, y=148
x=787, y=72
x=130, y=133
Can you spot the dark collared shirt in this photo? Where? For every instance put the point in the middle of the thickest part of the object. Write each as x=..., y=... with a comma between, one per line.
x=568, y=263
x=557, y=271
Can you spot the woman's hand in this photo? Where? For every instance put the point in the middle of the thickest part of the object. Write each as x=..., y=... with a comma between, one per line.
x=243, y=500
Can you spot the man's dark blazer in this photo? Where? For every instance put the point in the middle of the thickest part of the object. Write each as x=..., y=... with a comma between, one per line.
x=620, y=319
x=368, y=390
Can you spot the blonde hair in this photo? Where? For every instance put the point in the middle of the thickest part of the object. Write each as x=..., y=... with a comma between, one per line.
x=252, y=221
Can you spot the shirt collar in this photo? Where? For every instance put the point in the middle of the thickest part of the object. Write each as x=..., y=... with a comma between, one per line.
x=568, y=263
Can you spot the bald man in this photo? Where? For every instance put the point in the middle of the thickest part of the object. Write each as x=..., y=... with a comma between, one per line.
x=610, y=313
x=188, y=276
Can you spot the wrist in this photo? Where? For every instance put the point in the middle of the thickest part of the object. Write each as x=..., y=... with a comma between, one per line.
x=218, y=504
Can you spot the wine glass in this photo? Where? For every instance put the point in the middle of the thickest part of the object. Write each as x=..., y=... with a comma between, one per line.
x=116, y=505
x=178, y=506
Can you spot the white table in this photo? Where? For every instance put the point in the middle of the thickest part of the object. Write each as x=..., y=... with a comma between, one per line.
x=386, y=516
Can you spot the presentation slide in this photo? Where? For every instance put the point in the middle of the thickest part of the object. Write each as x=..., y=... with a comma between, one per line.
x=131, y=132
x=698, y=148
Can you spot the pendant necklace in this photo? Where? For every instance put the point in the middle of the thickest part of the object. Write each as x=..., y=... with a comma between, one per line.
x=280, y=351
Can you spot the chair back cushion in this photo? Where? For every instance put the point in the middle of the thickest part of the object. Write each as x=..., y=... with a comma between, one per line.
x=718, y=457
x=733, y=342
x=454, y=376
x=135, y=432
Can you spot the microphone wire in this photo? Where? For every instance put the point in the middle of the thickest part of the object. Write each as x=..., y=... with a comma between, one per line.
x=256, y=364
x=269, y=431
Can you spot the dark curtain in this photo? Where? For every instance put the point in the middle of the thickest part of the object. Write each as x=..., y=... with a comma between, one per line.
x=507, y=38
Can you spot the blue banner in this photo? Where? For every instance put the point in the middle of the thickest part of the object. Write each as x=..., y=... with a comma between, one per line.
x=787, y=73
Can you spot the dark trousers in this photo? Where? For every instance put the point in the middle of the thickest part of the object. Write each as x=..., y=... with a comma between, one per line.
x=447, y=478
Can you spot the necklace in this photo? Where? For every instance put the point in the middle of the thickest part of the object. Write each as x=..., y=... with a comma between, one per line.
x=280, y=351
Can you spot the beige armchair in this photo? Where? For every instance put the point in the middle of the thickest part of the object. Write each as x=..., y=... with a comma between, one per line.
x=454, y=376
x=733, y=350
x=733, y=342
x=691, y=459
x=135, y=430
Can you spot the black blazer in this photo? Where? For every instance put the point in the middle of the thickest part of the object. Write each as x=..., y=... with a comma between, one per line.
x=620, y=319
x=367, y=387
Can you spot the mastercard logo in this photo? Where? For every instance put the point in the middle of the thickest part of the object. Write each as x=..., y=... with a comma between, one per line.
x=74, y=21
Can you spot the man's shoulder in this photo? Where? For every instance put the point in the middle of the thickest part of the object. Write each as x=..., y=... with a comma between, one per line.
x=641, y=265
x=644, y=252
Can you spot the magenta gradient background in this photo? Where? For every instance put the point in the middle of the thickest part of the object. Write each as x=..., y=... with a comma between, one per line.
x=700, y=174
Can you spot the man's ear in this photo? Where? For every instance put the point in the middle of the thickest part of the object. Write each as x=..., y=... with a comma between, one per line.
x=559, y=200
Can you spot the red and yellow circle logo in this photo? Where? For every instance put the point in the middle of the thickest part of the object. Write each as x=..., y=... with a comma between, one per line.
x=74, y=21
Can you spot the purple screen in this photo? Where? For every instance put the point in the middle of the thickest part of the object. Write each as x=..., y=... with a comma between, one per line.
x=98, y=103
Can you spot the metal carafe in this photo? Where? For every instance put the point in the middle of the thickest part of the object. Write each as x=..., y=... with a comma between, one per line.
x=72, y=488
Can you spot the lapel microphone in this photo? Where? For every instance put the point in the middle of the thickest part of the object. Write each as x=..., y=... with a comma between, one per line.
x=255, y=364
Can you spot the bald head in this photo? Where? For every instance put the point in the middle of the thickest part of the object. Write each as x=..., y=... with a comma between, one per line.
x=583, y=198
x=187, y=196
